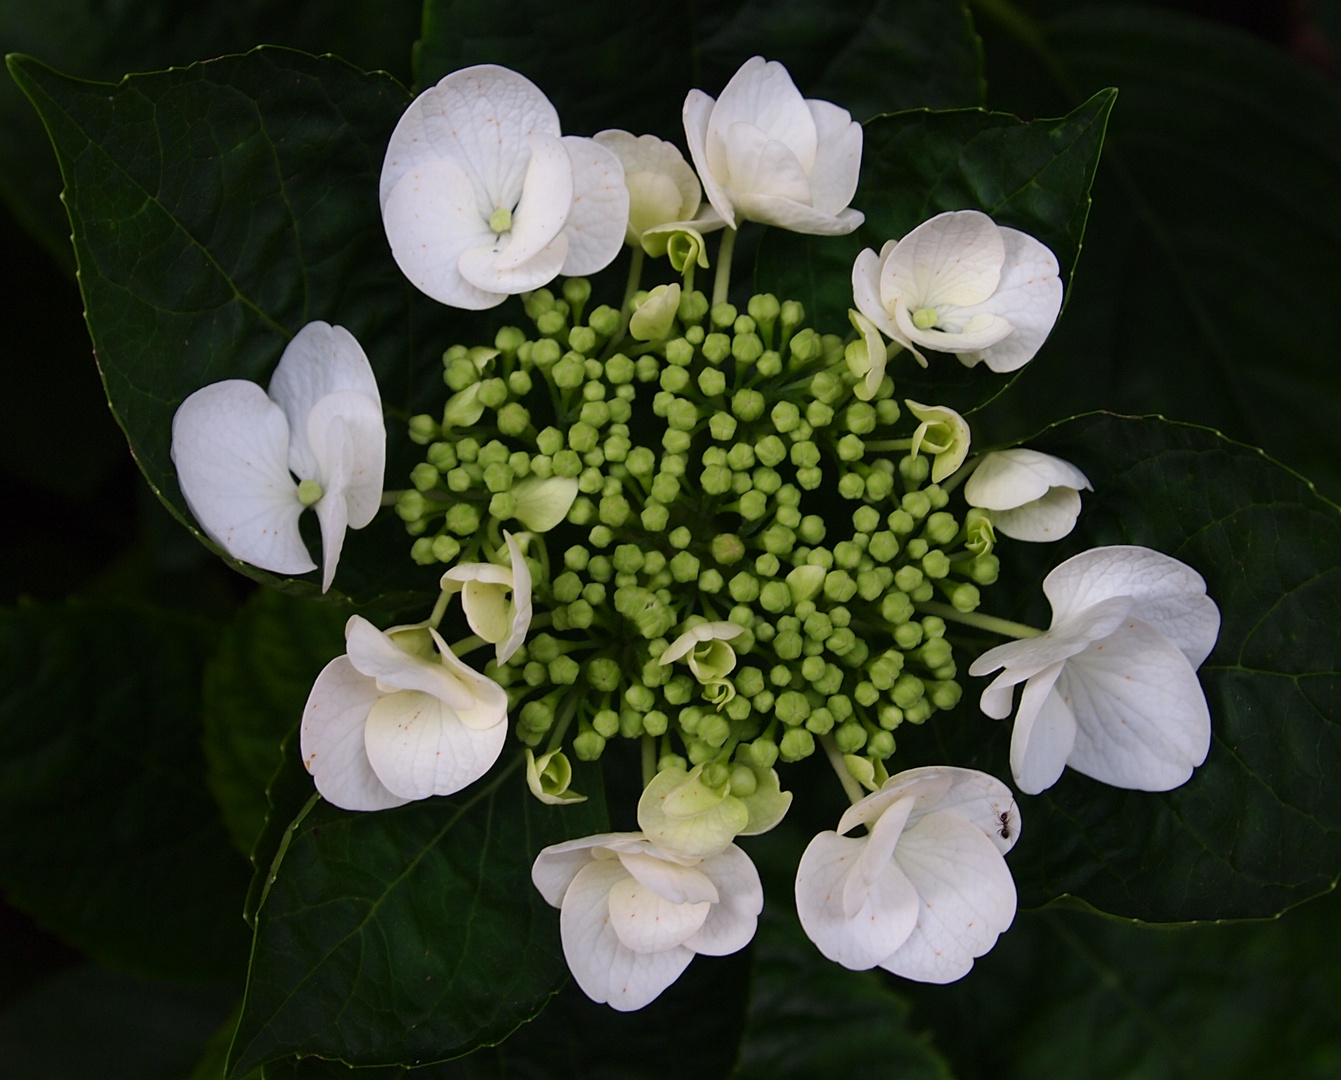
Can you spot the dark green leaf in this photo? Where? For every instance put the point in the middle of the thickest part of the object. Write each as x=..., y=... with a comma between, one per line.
x=107, y=832
x=255, y=690
x=1258, y=827
x=216, y=210
x=1070, y=996
x=104, y=41
x=1033, y=177
x=812, y=1018
x=412, y=934
x=1220, y=189
x=629, y=65
x=287, y=798
x=92, y=1022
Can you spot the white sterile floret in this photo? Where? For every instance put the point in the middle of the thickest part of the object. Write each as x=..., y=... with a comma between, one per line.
x=927, y=889
x=1111, y=689
x=496, y=599
x=399, y=718
x=238, y=449
x=1032, y=496
x=961, y=284
x=766, y=154
x=634, y=915
x=706, y=649
x=482, y=198
x=663, y=190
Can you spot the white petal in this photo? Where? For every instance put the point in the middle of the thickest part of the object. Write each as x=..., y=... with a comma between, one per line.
x=1066, y=638
x=954, y=258
x=522, y=608
x=646, y=922
x=795, y=216
x=697, y=114
x=230, y=444
x=1044, y=734
x=674, y=883
x=1048, y=518
x=432, y=219
x=961, y=330
x=607, y=971
x=1029, y=296
x=757, y=164
x=732, y=920
x=879, y=927
x=600, y=209
x=966, y=898
x=658, y=160
x=1005, y=479
x=978, y=798
x=347, y=439
x=320, y=360
x=762, y=94
x=547, y=196
x=833, y=177
x=1141, y=714
x=1169, y=595
x=557, y=865
x=543, y=503
x=418, y=746
x=478, y=117
x=866, y=293
x=697, y=634
x=927, y=786
x=332, y=739
x=875, y=856
x=654, y=200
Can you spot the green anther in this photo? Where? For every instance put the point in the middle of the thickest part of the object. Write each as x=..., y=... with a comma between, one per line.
x=924, y=318
x=680, y=538
x=785, y=417
x=500, y=221
x=710, y=581
x=310, y=493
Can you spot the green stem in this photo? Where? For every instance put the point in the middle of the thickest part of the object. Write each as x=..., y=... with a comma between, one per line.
x=468, y=645
x=991, y=623
x=889, y=444
x=855, y=792
x=567, y=710
x=440, y=608
x=649, y=758
x=631, y=287
x=960, y=475
x=721, y=284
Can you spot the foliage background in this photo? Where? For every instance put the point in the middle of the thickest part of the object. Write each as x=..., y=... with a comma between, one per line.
x=1208, y=291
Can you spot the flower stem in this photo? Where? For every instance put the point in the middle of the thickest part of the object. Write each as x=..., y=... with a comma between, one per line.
x=889, y=444
x=649, y=758
x=960, y=475
x=440, y=608
x=631, y=287
x=854, y=790
x=991, y=623
x=567, y=709
x=721, y=284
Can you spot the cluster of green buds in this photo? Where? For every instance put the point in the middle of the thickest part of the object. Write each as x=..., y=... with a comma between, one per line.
x=735, y=555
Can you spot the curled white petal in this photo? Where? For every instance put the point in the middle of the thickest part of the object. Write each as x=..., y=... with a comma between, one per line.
x=1032, y=496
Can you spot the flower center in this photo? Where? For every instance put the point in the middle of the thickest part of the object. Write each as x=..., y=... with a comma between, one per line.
x=309, y=492
x=500, y=221
x=924, y=318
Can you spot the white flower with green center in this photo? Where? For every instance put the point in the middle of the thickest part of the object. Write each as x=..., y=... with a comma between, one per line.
x=1031, y=496
x=927, y=889
x=1111, y=689
x=766, y=154
x=482, y=198
x=633, y=915
x=398, y=718
x=680, y=812
x=237, y=450
x=961, y=284
x=664, y=193
x=705, y=648
x=943, y=434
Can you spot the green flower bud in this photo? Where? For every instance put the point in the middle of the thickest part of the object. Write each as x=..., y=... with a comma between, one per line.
x=805, y=583
x=936, y=564
x=727, y=549
x=680, y=538
x=603, y=674
x=907, y=690
x=820, y=721
x=600, y=536
x=716, y=348
x=797, y=743
x=753, y=505
x=563, y=671
x=716, y=480
x=463, y=519
x=962, y=596
x=589, y=745
x=941, y=529
x=806, y=346
x=446, y=548
x=747, y=348
x=710, y=581
x=984, y=569
x=850, y=737
x=785, y=417
x=684, y=567
x=791, y=708
x=545, y=353
x=859, y=418
x=778, y=540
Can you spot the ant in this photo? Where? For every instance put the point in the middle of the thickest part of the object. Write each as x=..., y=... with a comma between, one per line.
x=1004, y=818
